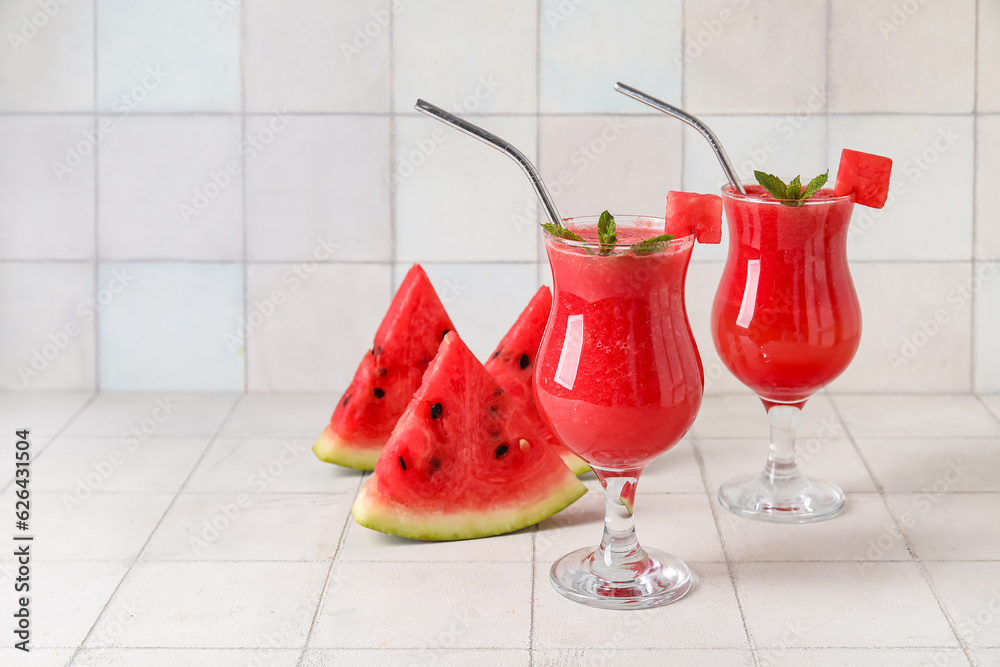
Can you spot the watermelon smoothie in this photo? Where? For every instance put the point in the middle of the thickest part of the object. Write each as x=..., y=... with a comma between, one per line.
x=786, y=319
x=618, y=377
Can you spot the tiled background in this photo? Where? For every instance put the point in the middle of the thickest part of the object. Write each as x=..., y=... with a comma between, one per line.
x=133, y=259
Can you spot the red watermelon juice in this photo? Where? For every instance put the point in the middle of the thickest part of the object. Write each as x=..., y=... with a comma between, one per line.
x=618, y=376
x=786, y=320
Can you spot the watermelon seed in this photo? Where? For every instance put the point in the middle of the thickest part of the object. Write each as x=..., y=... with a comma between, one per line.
x=501, y=450
x=378, y=393
x=525, y=445
x=436, y=410
x=497, y=353
x=445, y=333
x=524, y=361
x=378, y=350
x=347, y=399
x=402, y=463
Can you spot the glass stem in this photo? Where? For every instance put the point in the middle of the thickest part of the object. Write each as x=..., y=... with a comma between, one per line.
x=781, y=467
x=619, y=545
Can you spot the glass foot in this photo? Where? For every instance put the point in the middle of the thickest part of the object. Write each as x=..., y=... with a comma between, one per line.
x=653, y=580
x=757, y=497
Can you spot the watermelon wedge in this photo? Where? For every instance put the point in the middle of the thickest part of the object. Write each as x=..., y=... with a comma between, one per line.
x=689, y=212
x=389, y=373
x=464, y=460
x=864, y=175
x=512, y=365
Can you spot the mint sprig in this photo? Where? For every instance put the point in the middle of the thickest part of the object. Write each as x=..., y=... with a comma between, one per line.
x=606, y=234
x=792, y=194
x=653, y=244
x=561, y=232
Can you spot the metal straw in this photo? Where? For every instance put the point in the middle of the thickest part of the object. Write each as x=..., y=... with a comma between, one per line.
x=678, y=113
x=501, y=145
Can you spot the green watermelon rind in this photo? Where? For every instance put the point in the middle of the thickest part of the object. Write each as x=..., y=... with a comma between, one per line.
x=373, y=510
x=577, y=465
x=331, y=448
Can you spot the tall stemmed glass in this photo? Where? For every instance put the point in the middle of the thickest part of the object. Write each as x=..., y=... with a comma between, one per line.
x=619, y=381
x=786, y=321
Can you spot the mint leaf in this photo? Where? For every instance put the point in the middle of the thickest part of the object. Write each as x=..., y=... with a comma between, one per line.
x=792, y=194
x=606, y=232
x=794, y=190
x=772, y=184
x=814, y=185
x=653, y=244
x=561, y=232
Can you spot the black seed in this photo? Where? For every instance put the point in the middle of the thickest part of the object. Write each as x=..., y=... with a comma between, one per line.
x=492, y=409
x=501, y=450
x=436, y=410
x=402, y=463
x=497, y=353
x=347, y=399
x=445, y=333
x=378, y=350
x=435, y=464
x=382, y=371
x=524, y=361
x=378, y=393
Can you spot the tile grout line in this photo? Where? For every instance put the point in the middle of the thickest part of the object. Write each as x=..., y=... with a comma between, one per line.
x=329, y=576
x=393, y=183
x=97, y=221
x=979, y=398
x=243, y=196
x=166, y=511
x=725, y=550
x=539, y=250
x=69, y=421
x=975, y=179
x=917, y=560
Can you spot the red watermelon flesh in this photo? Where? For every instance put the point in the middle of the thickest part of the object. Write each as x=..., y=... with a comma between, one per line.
x=388, y=375
x=513, y=367
x=864, y=175
x=689, y=212
x=464, y=460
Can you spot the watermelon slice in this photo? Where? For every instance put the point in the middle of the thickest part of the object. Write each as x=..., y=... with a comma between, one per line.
x=389, y=373
x=864, y=175
x=464, y=461
x=513, y=367
x=688, y=212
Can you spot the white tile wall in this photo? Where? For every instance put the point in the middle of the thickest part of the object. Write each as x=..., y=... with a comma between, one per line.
x=48, y=62
x=60, y=225
x=728, y=71
x=177, y=56
x=118, y=113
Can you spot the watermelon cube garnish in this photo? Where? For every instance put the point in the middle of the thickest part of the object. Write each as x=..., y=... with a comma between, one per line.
x=689, y=212
x=389, y=374
x=864, y=175
x=512, y=365
x=464, y=461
